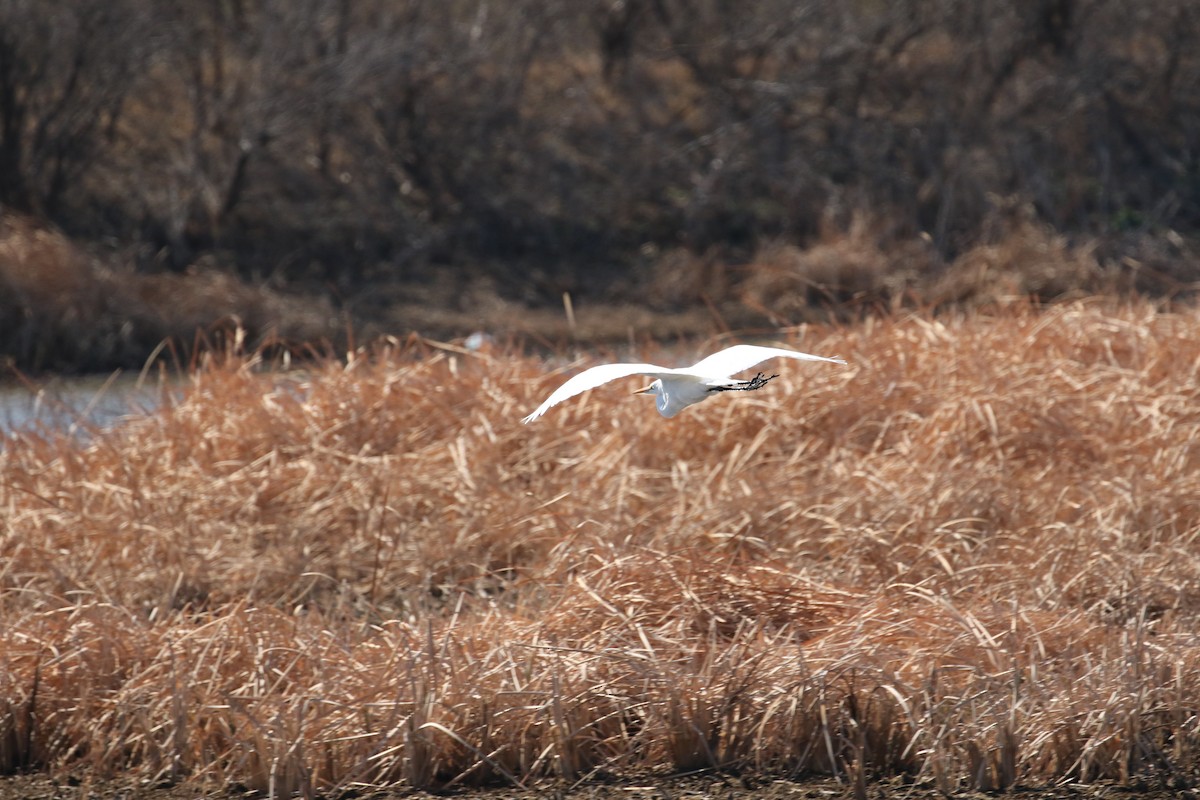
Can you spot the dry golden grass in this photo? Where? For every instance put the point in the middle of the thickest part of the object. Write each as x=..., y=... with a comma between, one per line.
x=969, y=556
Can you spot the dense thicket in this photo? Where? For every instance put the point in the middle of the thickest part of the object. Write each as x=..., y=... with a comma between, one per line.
x=339, y=140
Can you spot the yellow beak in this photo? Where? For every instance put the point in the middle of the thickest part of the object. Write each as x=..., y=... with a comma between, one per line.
x=644, y=391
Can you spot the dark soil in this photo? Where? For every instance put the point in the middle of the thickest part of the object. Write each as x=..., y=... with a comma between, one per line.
x=647, y=787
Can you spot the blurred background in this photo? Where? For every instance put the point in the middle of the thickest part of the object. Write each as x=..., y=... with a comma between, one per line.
x=316, y=170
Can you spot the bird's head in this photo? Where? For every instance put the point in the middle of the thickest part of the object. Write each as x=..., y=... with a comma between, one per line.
x=659, y=391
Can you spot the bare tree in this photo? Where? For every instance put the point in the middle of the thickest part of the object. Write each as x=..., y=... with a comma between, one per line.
x=334, y=139
x=66, y=70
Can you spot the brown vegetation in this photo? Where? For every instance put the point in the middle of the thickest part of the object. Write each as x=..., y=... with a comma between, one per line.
x=549, y=145
x=62, y=309
x=443, y=167
x=968, y=557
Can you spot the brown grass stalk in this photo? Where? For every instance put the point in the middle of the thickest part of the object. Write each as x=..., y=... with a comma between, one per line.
x=968, y=557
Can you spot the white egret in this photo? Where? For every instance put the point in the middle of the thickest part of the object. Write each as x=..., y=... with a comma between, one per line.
x=676, y=389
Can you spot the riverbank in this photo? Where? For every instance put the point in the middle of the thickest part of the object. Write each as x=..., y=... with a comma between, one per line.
x=67, y=309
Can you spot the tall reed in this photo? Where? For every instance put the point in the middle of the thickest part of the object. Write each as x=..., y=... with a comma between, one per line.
x=968, y=557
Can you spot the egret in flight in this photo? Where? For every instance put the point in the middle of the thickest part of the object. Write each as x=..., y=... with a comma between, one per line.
x=676, y=389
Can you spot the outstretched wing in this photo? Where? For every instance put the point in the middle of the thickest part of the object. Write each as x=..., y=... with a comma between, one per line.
x=590, y=379
x=733, y=360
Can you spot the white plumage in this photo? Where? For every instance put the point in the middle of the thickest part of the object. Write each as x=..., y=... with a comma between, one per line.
x=676, y=389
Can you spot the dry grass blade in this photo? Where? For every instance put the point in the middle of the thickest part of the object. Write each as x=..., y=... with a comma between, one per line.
x=969, y=556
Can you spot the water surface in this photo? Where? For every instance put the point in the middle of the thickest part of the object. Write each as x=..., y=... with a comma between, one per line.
x=75, y=404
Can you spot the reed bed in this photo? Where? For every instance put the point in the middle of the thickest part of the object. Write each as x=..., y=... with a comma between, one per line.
x=969, y=557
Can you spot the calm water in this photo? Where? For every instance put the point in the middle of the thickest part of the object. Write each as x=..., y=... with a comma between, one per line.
x=75, y=404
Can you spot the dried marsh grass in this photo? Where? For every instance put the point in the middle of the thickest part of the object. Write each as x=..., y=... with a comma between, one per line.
x=969, y=557
x=864, y=266
x=64, y=309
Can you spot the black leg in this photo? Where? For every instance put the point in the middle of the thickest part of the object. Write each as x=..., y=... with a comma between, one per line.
x=757, y=382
